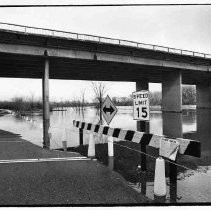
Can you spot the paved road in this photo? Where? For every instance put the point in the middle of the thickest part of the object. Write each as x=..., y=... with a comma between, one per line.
x=31, y=175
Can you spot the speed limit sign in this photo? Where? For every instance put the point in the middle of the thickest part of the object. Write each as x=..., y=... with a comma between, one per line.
x=141, y=105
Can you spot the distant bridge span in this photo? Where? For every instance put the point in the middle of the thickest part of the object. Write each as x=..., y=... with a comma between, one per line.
x=29, y=52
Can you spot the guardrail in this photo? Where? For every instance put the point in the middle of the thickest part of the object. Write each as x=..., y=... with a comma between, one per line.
x=185, y=147
x=98, y=39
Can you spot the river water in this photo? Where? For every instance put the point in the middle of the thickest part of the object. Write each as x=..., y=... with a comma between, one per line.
x=193, y=175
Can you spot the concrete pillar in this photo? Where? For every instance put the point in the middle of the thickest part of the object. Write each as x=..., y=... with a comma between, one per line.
x=172, y=91
x=172, y=115
x=142, y=85
x=46, y=109
x=203, y=96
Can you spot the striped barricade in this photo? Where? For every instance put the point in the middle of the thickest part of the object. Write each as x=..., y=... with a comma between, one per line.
x=186, y=146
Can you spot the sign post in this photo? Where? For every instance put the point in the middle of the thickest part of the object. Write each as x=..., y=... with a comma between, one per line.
x=141, y=113
x=141, y=105
x=108, y=109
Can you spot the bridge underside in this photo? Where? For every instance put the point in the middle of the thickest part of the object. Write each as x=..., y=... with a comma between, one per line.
x=22, y=56
x=26, y=66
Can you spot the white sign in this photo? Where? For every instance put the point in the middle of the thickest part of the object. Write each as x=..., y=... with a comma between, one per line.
x=108, y=109
x=141, y=105
x=169, y=148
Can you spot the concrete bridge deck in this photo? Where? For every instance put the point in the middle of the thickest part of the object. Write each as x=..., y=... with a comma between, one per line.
x=31, y=176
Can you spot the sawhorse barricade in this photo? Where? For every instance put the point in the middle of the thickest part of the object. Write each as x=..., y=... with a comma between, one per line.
x=186, y=146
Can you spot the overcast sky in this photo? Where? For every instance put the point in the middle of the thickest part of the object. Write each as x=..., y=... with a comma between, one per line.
x=180, y=27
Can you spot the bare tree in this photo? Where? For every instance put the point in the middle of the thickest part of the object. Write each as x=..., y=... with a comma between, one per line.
x=83, y=98
x=99, y=89
x=31, y=100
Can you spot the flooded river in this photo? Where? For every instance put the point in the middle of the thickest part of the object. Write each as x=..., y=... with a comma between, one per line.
x=193, y=174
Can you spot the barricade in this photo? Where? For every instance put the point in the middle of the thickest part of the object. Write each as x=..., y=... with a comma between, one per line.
x=185, y=147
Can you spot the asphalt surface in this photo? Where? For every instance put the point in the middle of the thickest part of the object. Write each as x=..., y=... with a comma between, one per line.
x=31, y=176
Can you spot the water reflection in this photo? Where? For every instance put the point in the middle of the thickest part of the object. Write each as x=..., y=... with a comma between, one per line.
x=172, y=124
x=203, y=133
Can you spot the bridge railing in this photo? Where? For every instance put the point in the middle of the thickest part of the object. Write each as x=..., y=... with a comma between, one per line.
x=99, y=39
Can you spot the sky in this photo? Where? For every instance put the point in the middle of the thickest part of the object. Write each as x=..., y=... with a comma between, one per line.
x=180, y=27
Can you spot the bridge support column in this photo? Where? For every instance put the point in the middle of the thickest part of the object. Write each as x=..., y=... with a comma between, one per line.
x=172, y=92
x=203, y=96
x=172, y=103
x=172, y=117
x=46, y=109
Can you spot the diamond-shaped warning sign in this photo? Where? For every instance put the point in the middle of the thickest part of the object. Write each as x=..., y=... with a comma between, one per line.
x=108, y=110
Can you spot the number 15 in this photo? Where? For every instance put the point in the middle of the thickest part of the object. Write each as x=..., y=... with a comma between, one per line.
x=143, y=111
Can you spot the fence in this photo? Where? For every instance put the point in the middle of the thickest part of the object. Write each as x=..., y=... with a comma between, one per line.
x=186, y=146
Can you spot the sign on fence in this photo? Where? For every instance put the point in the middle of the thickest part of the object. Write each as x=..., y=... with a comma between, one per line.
x=141, y=105
x=169, y=148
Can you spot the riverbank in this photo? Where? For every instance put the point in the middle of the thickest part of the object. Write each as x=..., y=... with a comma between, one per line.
x=39, y=112
x=31, y=129
x=33, y=176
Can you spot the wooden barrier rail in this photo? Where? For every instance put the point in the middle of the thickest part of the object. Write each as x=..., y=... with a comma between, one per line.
x=186, y=147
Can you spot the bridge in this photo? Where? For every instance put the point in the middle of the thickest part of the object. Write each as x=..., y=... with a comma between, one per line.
x=30, y=52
